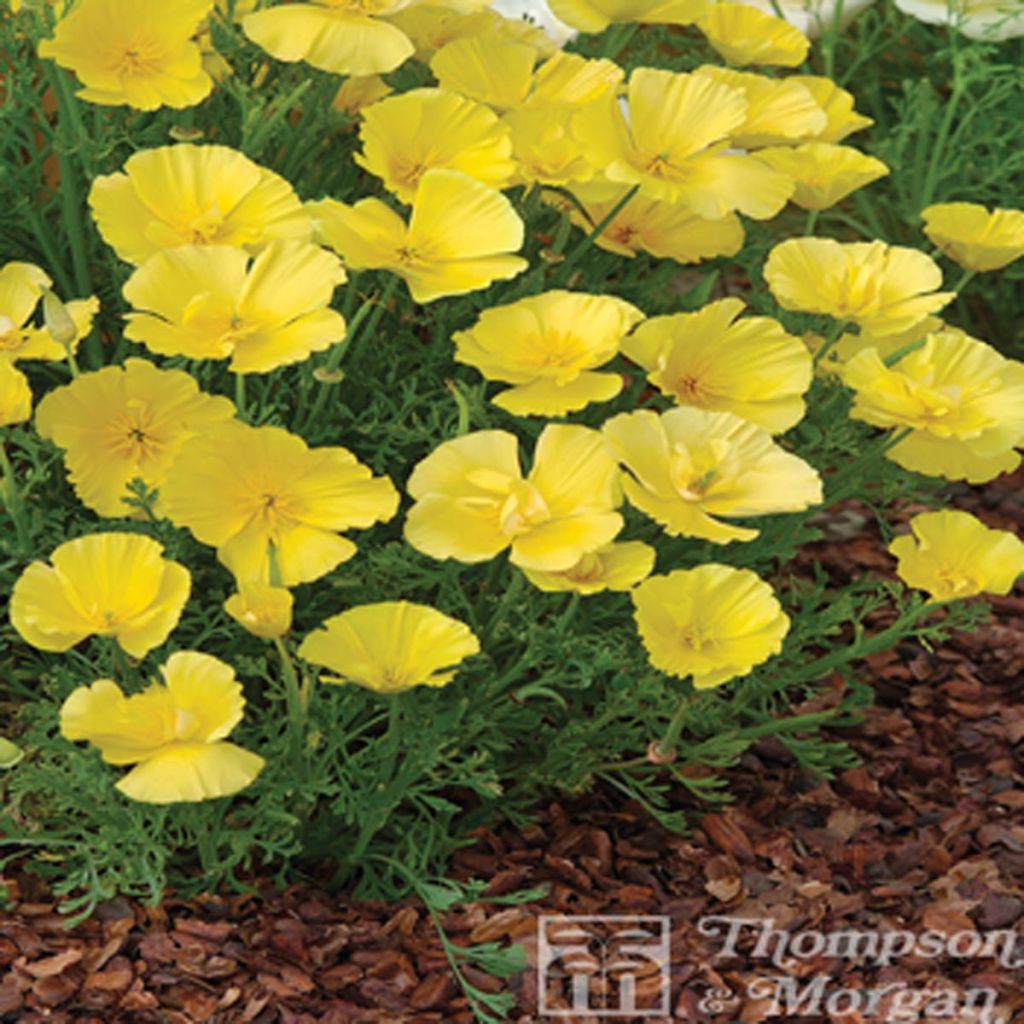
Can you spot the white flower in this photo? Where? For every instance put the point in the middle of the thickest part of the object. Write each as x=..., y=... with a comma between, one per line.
x=991, y=20
x=813, y=17
x=537, y=12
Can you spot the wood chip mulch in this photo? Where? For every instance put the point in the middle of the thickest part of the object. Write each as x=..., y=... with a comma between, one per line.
x=926, y=836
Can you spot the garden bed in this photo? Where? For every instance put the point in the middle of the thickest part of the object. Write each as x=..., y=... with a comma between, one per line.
x=927, y=833
x=459, y=485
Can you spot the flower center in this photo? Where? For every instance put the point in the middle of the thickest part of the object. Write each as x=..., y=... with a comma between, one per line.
x=141, y=57
x=694, y=471
x=204, y=227
x=860, y=291
x=694, y=638
x=659, y=167
x=408, y=255
x=689, y=389
x=587, y=569
x=623, y=234
x=186, y=724
x=134, y=437
x=561, y=353
x=522, y=510
x=11, y=338
x=275, y=511
x=410, y=174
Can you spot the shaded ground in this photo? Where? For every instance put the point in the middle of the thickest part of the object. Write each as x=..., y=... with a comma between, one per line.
x=926, y=836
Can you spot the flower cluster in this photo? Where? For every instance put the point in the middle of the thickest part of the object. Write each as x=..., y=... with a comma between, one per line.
x=607, y=445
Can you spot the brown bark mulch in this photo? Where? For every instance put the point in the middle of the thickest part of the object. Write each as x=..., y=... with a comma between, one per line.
x=926, y=836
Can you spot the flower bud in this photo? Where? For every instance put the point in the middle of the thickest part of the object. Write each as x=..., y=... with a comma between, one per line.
x=263, y=610
x=58, y=320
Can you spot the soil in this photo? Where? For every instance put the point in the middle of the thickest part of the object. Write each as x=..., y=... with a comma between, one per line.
x=925, y=838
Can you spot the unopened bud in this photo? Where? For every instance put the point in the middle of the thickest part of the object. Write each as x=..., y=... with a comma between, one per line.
x=181, y=134
x=325, y=376
x=58, y=320
x=265, y=611
x=658, y=756
x=10, y=754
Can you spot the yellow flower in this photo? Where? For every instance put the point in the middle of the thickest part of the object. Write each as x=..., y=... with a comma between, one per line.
x=459, y=238
x=194, y=195
x=962, y=399
x=406, y=135
x=745, y=35
x=673, y=145
x=138, y=54
x=265, y=611
x=952, y=555
x=487, y=69
x=120, y=423
x=105, y=584
x=670, y=231
x=544, y=149
x=272, y=507
x=751, y=368
x=346, y=37
x=850, y=343
x=390, y=646
x=883, y=288
x=840, y=117
x=22, y=285
x=569, y=80
x=619, y=566
x=214, y=64
x=974, y=237
x=548, y=346
x=778, y=110
x=713, y=623
x=501, y=74
x=432, y=26
x=824, y=172
x=358, y=92
x=688, y=467
x=173, y=732
x=15, y=395
x=472, y=501
x=215, y=302
x=597, y=15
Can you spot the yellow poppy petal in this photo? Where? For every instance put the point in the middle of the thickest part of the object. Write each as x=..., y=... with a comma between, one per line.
x=190, y=772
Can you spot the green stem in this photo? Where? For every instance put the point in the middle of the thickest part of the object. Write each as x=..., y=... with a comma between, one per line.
x=965, y=277
x=206, y=838
x=588, y=242
x=240, y=395
x=855, y=470
x=378, y=305
x=72, y=361
x=812, y=219
x=941, y=137
x=118, y=661
x=72, y=138
x=831, y=340
x=874, y=644
x=507, y=598
x=378, y=817
x=830, y=40
x=294, y=697
x=667, y=744
x=618, y=38
x=571, y=607
x=450, y=950
x=12, y=499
